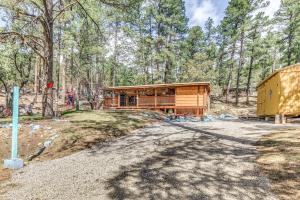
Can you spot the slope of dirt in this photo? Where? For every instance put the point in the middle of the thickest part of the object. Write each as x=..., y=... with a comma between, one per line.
x=219, y=106
x=73, y=132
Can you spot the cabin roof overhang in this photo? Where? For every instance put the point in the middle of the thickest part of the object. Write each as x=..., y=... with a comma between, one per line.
x=171, y=85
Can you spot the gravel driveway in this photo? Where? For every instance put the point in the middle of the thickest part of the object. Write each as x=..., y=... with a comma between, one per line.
x=167, y=161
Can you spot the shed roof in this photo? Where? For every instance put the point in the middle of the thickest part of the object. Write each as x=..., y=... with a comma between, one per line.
x=276, y=72
x=157, y=86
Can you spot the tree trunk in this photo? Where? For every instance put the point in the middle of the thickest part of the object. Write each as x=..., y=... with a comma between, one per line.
x=36, y=76
x=60, y=56
x=42, y=64
x=168, y=63
x=230, y=72
x=158, y=44
x=250, y=74
x=150, y=47
x=241, y=64
x=48, y=32
x=167, y=72
x=72, y=67
x=220, y=66
x=113, y=72
x=7, y=92
x=63, y=79
x=290, y=36
x=250, y=67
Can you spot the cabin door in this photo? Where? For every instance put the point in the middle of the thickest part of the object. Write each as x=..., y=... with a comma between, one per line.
x=123, y=100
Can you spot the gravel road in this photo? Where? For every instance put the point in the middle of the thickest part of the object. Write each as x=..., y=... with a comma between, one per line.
x=214, y=160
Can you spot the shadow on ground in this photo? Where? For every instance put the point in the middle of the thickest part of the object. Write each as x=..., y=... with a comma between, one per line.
x=280, y=161
x=206, y=165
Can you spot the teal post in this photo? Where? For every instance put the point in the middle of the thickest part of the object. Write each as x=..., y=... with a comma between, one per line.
x=15, y=124
x=15, y=162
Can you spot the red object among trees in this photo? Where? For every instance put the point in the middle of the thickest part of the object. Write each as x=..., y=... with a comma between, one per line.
x=50, y=85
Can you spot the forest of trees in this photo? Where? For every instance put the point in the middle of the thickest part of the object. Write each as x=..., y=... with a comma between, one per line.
x=95, y=43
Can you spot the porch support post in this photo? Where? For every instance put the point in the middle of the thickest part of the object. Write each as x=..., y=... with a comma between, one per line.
x=155, y=97
x=137, y=98
x=198, y=109
x=113, y=99
x=175, y=106
x=198, y=96
x=204, y=101
x=119, y=100
x=127, y=102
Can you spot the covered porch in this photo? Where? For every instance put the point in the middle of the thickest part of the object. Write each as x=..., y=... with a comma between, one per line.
x=140, y=98
x=177, y=98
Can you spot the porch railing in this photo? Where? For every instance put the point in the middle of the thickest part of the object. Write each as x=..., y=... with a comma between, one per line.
x=145, y=101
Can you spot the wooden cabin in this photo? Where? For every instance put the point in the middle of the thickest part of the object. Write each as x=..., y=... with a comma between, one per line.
x=177, y=98
x=279, y=93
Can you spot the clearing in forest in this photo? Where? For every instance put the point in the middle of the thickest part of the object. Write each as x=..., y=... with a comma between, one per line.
x=165, y=160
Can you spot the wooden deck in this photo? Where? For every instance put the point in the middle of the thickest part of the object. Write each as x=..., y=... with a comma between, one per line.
x=162, y=103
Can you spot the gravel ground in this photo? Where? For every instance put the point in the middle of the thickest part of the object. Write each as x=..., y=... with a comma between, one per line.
x=190, y=160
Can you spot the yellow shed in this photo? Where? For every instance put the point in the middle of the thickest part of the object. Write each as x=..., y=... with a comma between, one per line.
x=279, y=93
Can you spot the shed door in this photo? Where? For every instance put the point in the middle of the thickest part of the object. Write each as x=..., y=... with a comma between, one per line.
x=263, y=100
x=290, y=93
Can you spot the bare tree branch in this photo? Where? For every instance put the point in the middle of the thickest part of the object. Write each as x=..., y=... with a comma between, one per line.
x=63, y=10
x=37, y=6
x=119, y=5
x=89, y=16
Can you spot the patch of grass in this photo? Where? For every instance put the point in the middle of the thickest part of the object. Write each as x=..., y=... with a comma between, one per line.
x=280, y=160
x=23, y=118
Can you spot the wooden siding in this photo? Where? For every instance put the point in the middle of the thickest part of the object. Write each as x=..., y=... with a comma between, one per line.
x=280, y=93
x=290, y=89
x=188, y=96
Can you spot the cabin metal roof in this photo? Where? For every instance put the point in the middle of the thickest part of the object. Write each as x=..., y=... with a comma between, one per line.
x=276, y=72
x=157, y=86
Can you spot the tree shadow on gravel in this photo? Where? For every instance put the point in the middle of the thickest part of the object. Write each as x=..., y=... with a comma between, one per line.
x=200, y=167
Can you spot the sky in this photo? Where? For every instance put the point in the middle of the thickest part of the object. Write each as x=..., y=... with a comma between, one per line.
x=199, y=10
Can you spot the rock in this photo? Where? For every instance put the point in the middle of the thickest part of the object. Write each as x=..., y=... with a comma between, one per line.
x=54, y=136
x=34, y=127
x=6, y=125
x=228, y=117
x=92, y=139
x=47, y=143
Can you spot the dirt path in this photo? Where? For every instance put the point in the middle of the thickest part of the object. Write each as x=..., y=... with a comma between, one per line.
x=165, y=161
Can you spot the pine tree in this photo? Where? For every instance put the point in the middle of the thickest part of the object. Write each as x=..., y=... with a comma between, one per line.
x=210, y=38
x=171, y=25
x=288, y=17
x=256, y=27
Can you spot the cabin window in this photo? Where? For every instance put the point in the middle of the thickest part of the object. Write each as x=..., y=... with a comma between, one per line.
x=270, y=94
x=108, y=94
x=171, y=92
x=132, y=100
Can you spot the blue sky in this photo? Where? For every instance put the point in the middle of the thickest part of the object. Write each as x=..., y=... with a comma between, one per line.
x=199, y=10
